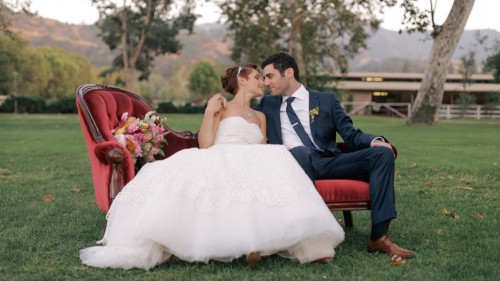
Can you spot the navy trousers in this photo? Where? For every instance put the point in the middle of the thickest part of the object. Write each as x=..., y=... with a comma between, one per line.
x=374, y=165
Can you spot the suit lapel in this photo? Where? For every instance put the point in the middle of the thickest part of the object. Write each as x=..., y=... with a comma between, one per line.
x=313, y=103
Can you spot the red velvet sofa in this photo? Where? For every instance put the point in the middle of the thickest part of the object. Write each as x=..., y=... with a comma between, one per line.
x=100, y=108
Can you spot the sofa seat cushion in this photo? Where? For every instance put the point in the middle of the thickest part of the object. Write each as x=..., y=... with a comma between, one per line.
x=343, y=190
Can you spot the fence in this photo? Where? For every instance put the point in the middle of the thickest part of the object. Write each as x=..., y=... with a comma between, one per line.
x=403, y=110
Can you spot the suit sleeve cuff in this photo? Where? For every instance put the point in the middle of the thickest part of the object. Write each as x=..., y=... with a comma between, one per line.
x=377, y=138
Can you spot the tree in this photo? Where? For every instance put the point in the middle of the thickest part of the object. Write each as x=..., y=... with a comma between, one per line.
x=22, y=72
x=9, y=7
x=204, y=80
x=321, y=35
x=67, y=71
x=141, y=30
x=425, y=109
x=493, y=64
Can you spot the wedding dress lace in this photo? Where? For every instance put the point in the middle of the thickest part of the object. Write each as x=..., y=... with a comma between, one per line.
x=236, y=197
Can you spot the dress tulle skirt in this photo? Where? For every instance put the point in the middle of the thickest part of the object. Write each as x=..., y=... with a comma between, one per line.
x=217, y=204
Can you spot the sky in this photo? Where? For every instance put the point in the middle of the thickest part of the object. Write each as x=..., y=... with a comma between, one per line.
x=484, y=15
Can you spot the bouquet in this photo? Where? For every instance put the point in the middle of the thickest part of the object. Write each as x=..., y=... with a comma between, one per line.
x=143, y=138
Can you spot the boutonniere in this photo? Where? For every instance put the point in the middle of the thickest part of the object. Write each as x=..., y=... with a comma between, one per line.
x=313, y=113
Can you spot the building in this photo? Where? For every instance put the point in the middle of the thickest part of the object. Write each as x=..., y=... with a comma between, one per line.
x=392, y=87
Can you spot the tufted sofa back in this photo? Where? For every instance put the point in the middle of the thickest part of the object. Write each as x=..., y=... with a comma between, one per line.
x=100, y=108
x=103, y=107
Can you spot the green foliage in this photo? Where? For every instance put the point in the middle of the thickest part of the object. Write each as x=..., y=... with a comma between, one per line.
x=24, y=105
x=321, y=35
x=190, y=108
x=62, y=105
x=492, y=98
x=166, y=107
x=493, y=64
x=142, y=30
x=68, y=71
x=49, y=211
x=465, y=100
x=23, y=71
x=34, y=104
x=204, y=80
x=48, y=72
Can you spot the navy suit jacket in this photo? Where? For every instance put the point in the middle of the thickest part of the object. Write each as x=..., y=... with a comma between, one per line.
x=330, y=120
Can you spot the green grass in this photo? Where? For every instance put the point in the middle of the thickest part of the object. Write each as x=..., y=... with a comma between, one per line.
x=48, y=212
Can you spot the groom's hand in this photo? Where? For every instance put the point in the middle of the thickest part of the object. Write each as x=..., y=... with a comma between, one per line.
x=378, y=142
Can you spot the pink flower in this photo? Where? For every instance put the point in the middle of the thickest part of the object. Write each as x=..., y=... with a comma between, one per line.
x=142, y=138
x=148, y=136
x=132, y=128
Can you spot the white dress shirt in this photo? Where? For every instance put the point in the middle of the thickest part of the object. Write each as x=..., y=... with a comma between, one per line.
x=301, y=107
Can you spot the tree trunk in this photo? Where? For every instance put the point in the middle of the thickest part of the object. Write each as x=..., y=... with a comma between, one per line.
x=295, y=40
x=425, y=109
x=128, y=70
x=130, y=53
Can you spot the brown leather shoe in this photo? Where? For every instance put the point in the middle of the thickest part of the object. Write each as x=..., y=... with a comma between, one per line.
x=324, y=260
x=385, y=245
x=252, y=259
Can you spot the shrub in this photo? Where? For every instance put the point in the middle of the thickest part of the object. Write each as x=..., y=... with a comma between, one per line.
x=24, y=105
x=63, y=105
x=166, y=107
x=169, y=107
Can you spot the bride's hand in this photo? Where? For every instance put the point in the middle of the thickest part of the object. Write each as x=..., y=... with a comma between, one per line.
x=215, y=103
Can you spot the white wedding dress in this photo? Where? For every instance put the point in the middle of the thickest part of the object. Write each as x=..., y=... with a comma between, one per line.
x=236, y=197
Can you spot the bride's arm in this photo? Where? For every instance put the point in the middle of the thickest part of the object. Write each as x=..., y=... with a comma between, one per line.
x=263, y=129
x=211, y=119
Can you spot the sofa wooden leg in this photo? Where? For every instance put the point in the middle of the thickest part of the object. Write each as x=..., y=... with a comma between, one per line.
x=348, y=219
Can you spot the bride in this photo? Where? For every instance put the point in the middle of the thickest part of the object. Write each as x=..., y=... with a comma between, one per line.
x=235, y=196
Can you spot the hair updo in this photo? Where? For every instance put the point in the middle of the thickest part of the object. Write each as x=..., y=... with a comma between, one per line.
x=230, y=78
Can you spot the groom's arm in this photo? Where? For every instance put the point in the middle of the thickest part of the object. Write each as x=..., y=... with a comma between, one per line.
x=354, y=138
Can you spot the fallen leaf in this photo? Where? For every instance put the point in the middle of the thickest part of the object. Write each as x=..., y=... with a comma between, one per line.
x=451, y=214
x=413, y=165
x=4, y=171
x=48, y=197
x=340, y=221
x=427, y=183
x=479, y=215
x=421, y=191
x=75, y=189
x=397, y=260
x=454, y=215
x=23, y=142
x=465, y=188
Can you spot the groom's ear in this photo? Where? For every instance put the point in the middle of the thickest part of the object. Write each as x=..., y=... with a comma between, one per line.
x=289, y=73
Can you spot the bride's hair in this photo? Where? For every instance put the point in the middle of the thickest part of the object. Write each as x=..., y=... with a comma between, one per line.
x=230, y=78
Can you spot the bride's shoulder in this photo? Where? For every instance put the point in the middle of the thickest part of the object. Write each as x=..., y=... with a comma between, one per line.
x=260, y=115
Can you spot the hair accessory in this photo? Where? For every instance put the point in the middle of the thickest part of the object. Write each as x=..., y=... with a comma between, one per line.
x=239, y=70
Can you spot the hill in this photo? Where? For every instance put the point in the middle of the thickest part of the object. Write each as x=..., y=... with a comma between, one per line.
x=387, y=50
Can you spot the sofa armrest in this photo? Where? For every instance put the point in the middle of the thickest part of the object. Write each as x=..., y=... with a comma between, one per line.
x=179, y=140
x=120, y=160
x=110, y=152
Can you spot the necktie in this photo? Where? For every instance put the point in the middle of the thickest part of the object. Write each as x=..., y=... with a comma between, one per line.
x=297, y=126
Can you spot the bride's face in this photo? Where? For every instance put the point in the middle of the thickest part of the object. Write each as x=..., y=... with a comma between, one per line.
x=255, y=84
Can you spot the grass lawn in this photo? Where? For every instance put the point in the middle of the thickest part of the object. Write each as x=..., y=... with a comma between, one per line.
x=447, y=185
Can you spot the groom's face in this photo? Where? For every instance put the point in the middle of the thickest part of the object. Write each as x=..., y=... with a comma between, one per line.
x=274, y=81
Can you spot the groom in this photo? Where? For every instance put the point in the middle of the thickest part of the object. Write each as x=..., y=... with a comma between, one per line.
x=307, y=122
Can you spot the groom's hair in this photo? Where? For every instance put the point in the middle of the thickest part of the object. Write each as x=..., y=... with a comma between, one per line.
x=282, y=61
